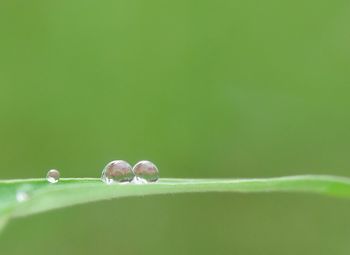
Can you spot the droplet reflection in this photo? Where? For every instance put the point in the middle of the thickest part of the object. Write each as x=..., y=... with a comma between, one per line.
x=117, y=171
x=146, y=170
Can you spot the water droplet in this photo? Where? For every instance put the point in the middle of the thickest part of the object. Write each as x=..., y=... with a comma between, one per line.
x=146, y=170
x=53, y=176
x=23, y=193
x=22, y=196
x=117, y=171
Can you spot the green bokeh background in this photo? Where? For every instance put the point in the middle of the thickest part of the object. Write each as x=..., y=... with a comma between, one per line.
x=202, y=88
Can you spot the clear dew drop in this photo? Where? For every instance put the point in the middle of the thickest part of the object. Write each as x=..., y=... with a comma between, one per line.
x=117, y=171
x=145, y=171
x=53, y=176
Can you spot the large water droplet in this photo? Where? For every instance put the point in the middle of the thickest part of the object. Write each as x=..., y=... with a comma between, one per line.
x=146, y=170
x=117, y=171
x=53, y=176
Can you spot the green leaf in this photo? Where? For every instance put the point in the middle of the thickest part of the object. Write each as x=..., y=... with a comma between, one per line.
x=25, y=197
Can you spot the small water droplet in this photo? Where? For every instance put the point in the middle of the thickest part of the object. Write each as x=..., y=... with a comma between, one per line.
x=23, y=193
x=53, y=176
x=117, y=171
x=146, y=170
x=22, y=196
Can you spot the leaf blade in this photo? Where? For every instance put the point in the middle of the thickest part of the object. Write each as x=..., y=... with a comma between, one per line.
x=44, y=196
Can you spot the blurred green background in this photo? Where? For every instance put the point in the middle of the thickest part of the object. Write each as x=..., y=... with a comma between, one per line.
x=202, y=88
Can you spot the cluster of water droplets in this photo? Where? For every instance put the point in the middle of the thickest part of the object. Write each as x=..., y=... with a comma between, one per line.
x=117, y=171
x=120, y=171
